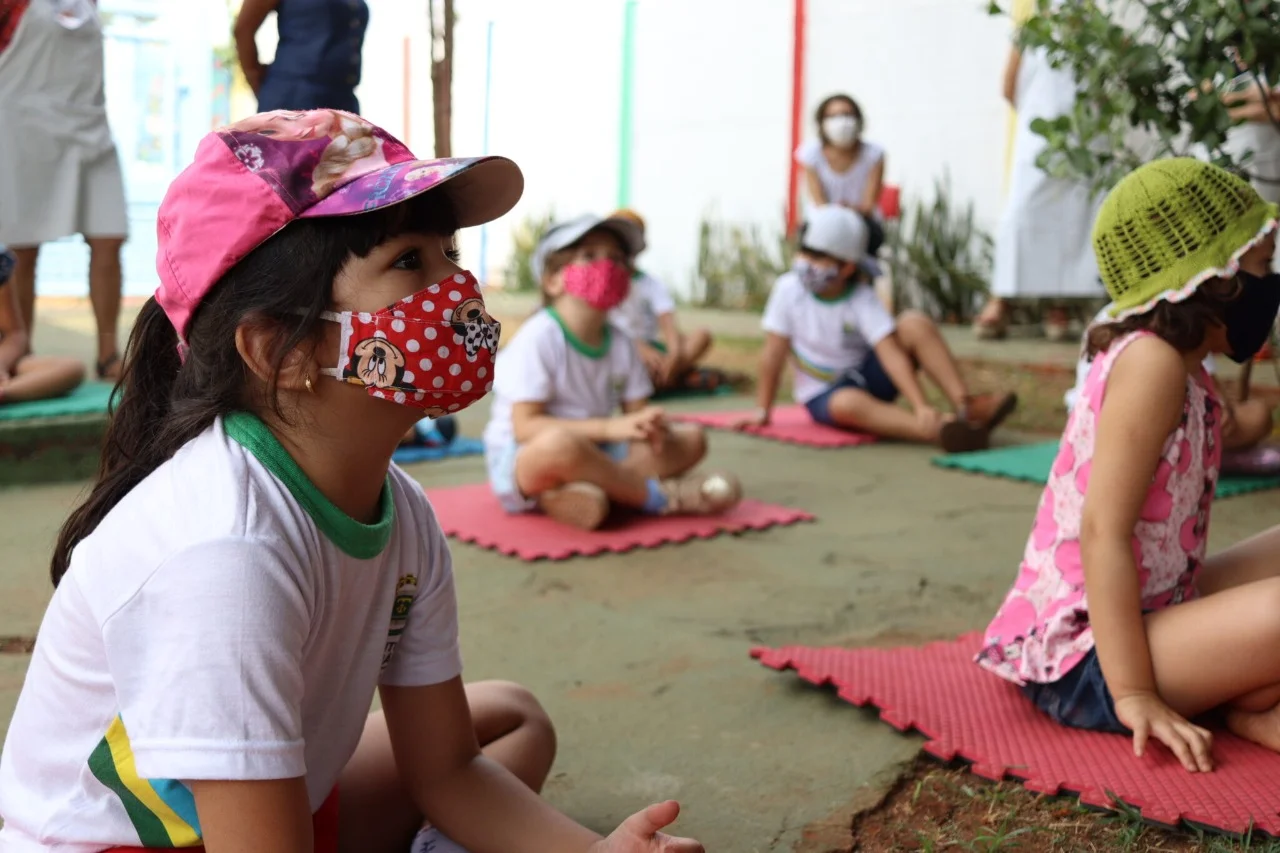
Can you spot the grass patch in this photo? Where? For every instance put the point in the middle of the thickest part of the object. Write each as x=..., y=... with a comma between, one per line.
x=935, y=808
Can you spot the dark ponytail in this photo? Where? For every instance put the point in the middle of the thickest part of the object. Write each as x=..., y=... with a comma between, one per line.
x=163, y=402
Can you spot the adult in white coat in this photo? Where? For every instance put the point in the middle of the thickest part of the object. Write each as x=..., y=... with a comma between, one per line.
x=1043, y=244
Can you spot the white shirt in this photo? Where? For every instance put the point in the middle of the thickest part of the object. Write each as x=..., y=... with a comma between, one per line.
x=828, y=339
x=545, y=363
x=638, y=314
x=1083, y=365
x=224, y=621
x=849, y=186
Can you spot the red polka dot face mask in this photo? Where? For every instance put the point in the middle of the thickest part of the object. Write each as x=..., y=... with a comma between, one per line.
x=433, y=350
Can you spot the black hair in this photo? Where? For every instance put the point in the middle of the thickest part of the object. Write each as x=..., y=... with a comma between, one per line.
x=820, y=113
x=1182, y=325
x=162, y=401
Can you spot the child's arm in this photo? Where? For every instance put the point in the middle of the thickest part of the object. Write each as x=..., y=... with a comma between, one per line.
x=272, y=816
x=875, y=186
x=252, y=14
x=1145, y=393
x=772, y=359
x=670, y=334
x=1009, y=87
x=478, y=803
x=529, y=419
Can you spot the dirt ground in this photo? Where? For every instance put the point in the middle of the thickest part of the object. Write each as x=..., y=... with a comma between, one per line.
x=641, y=658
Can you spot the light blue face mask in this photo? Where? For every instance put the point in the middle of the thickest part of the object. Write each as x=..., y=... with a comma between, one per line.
x=814, y=278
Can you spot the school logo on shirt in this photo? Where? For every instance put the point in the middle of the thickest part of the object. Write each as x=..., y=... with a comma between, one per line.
x=406, y=592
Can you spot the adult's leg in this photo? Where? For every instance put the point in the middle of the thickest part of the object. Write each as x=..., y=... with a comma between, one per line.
x=105, y=291
x=376, y=813
x=24, y=285
x=920, y=337
x=41, y=377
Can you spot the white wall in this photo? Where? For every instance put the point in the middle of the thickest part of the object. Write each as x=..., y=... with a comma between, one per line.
x=927, y=75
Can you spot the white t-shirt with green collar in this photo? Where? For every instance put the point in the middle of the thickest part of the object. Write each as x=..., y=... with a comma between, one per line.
x=224, y=621
x=546, y=363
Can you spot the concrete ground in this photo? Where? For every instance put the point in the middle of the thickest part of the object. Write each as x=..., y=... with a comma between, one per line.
x=641, y=658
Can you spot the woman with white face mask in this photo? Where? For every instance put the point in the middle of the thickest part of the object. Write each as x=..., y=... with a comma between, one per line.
x=841, y=167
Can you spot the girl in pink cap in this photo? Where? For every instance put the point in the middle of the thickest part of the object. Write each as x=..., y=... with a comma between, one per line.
x=250, y=568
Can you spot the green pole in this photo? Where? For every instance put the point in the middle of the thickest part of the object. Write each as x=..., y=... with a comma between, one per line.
x=625, y=101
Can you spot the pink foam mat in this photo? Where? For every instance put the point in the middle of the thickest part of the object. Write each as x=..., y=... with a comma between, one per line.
x=967, y=713
x=472, y=514
x=790, y=424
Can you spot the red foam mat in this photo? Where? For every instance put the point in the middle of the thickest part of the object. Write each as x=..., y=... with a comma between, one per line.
x=790, y=424
x=472, y=514
x=968, y=713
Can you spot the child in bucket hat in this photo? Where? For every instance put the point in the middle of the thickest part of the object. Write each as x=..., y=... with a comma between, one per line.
x=249, y=567
x=1090, y=629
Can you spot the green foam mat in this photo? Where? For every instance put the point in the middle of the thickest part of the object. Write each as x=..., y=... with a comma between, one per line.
x=89, y=399
x=1030, y=463
x=694, y=393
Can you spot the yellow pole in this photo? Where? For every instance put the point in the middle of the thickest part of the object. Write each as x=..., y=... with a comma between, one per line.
x=1021, y=12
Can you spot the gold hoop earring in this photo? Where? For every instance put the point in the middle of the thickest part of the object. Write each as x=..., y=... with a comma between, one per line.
x=310, y=390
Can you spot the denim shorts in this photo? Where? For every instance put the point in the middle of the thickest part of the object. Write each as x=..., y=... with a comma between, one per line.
x=869, y=377
x=1080, y=699
x=501, y=462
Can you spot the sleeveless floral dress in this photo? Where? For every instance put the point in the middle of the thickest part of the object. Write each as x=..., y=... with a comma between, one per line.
x=1042, y=630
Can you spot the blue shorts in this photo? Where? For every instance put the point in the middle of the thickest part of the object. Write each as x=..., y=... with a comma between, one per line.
x=869, y=377
x=501, y=462
x=1080, y=699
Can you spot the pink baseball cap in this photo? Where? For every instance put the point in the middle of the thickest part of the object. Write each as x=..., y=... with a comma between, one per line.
x=254, y=177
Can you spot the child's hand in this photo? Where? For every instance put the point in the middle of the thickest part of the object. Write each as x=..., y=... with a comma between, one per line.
x=1228, y=418
x=649, y=424
x=1147, y=715
x=759, y=419
x=640, y=833
x=652, y=358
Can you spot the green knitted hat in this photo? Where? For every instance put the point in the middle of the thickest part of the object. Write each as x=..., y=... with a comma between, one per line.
x=1171, y=225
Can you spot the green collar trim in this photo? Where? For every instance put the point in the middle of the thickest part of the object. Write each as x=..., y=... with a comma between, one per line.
x=606, y=339
x=849, y=287
x=353, y=538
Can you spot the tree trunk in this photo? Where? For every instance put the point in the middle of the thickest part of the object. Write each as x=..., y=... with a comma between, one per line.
x=442, y=77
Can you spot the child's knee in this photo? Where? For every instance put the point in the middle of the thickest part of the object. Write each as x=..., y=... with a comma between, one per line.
x=691, y=442
x=913, y=322
x=517, y=705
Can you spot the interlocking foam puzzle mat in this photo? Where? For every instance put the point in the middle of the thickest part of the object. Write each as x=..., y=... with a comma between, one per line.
x=965, y=712
x=789, y=424
x=472, y=514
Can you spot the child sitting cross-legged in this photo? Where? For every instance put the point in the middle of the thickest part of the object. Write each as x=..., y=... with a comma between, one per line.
x=571, y=431
x=852, y=358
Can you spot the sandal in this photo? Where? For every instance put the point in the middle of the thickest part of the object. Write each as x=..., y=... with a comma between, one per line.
x=702, y=379
x=702, y=494
x=104, y=367
x=962, y=436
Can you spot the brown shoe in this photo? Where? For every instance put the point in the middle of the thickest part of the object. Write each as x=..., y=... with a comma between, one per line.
x=581, y=505
x=989, y=410
x=702, y=494
x=963, y=436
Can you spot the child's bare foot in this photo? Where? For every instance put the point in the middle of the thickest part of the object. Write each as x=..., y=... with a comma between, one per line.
x=581, y=505
x=702, y=494
x=1261, y=727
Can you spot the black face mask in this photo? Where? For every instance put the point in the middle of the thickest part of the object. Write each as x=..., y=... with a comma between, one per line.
x=1251, y=315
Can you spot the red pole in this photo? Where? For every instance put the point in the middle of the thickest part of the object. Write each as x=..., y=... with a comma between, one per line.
x=797, y=113
x=407, y=92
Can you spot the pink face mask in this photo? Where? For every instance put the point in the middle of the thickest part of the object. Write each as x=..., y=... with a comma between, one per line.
x=433, y=350
x=602, y=284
